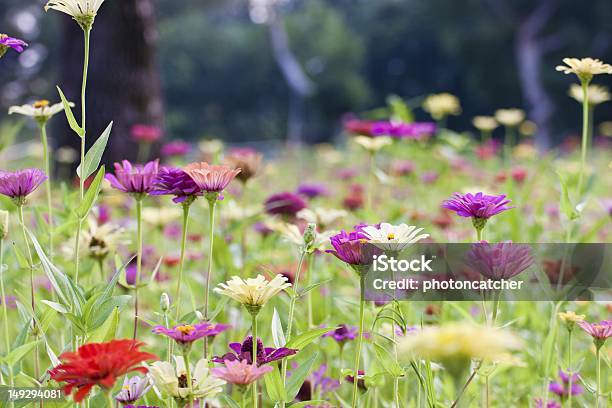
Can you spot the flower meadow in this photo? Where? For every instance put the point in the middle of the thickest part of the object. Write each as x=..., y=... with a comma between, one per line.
x=223, y=277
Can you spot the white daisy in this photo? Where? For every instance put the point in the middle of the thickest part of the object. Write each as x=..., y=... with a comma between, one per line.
x=394, y=237
x=41, y=110
x=171, y=380
x=83, y=11
x=253, y=292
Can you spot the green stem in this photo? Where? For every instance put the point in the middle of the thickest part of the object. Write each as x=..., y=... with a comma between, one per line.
x=138, y=262
x=212, y=203
x=254, y=356
x=290, y=318
x=45, y=146
x=86, y=33
x=186, y=207
x=569, y=368
x=188, y=374
x=478, y=235
x=598, y=392
x=360, y=340
x=109, y=399
x=585, y=134
x=5, y=312
x=371, y=181
x=311, y=260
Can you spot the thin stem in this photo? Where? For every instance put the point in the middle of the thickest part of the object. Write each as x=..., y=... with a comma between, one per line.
x=182, y=260
x=109, y=399
x=87, y=33
x=598, y=391
x=311, y=260
x=290, y=318
x=45, y=146
x=5, y=313
x=212, y=203
x=478, y=235
x=371, y=181
x=585, y=134
x=254, y=356
x=138, y=262
x=169, y=340
x=569, y=368
x=360, y=340
x=188, y=374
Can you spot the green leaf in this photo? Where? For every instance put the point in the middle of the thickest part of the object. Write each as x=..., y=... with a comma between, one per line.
x=55, y=306
x=228, y=401
x=274, y=385
x=94, y=154
x=278, y=336
x=70, y=116
x=106, y=331
x=566, y=206
x=103, y=311
x=306, y=403
x=298, y=376
x=387, y=362
x=17, y=354
x=304, y=339
x=91, y=195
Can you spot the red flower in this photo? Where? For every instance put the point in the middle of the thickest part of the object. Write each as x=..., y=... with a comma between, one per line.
x=99, y=364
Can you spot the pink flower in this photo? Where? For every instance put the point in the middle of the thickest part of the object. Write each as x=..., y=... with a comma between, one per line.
x=210, y=178
x=146, y=133
x=240, y=372
x=599, y=331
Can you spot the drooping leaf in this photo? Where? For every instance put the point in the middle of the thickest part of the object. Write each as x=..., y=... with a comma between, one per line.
x=18, y=353
x=278, y=336
x=298, y=376
x=387, y=361
x=70, y=116
x=274, y=385
x=302, y=340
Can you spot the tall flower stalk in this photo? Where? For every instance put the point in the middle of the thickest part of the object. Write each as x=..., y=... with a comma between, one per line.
x=139, y=199
x=3, y=236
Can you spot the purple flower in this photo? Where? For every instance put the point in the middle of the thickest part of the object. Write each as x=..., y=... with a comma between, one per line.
x=244, y=351
x=477, y=205
x=133, y=389
x=19, y=184
x=7, y=42
x=175, y=148
x=343, y=333
x=310, y=190
x=134, y=178
x=352, y=248
x=146, y=133
x=562, y=388
x=551, y=404
x=285, y=204
x=499, y=261
x=187, y=334
x=141, y=406
x=174, y=181
x=316, y=381
x=600, y=332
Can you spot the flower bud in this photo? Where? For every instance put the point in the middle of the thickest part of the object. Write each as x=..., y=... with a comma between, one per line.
x=310, y=233
x=164, y=302
x=4, y=217
x=199, y=315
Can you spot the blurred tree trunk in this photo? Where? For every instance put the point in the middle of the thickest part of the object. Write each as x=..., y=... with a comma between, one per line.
x=123, y=84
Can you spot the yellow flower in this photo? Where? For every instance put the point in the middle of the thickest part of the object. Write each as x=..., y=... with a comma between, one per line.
x=570, y=317
x=441, y=105
x=584, y=68
x=485, y=123
x=456, y=344
x=253, y=292
x=510, y=117
x=596, y=94
x=372, y=144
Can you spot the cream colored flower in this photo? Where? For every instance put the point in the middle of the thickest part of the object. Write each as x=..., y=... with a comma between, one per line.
x=441, y=105
x=292, y=234
x=571, y=317
x=510, y=117
x=372, y=144
x=455, y=345
x=170, y=379
x=41, y=110
x=596, y=94
x=212, y=146
x=584, y=68
x=98, y=241
x=394, y=237
x=66, y=155
x=4, y=220
x=528, y=128
x=323, y=217
x=82, y=11
x=232, y=211
x=485, y=123
x=253, y=292
x=160, y=216
x=605, y=128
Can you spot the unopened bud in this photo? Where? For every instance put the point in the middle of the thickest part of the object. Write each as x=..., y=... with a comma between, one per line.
x=199, y=315
x=164, y=302
x=310, y=233
x=4, y=217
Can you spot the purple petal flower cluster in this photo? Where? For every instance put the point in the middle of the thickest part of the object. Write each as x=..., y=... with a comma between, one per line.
x=551, y=404
x=134, y=178
x=133, y=389
x=600, y=332
x=562, y=388
x=343, y=333
x=477, y=205
x=19, y=184
x=175, y=148
x=176, y=182
x=244, y=350
x=284, y=204
x=186, y=333
x=400, y=130
x=317, y=381
x=503, y=260
x=311, y=190
x=7, y=42
x=352, y=247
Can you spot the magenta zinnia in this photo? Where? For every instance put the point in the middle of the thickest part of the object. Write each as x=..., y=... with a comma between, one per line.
x=176, y=182
x=240, y=372
x=7, y=42
x=352, y=248
x=134, y=178
x=503, y=260
x=244, y=351
x=20, y=184
x=480, y=207
x=186, y=334
x=600, y=332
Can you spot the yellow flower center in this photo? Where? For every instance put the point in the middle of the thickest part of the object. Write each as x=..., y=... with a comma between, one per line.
x=391, y=236
x=43, y=103
x=185, y=329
